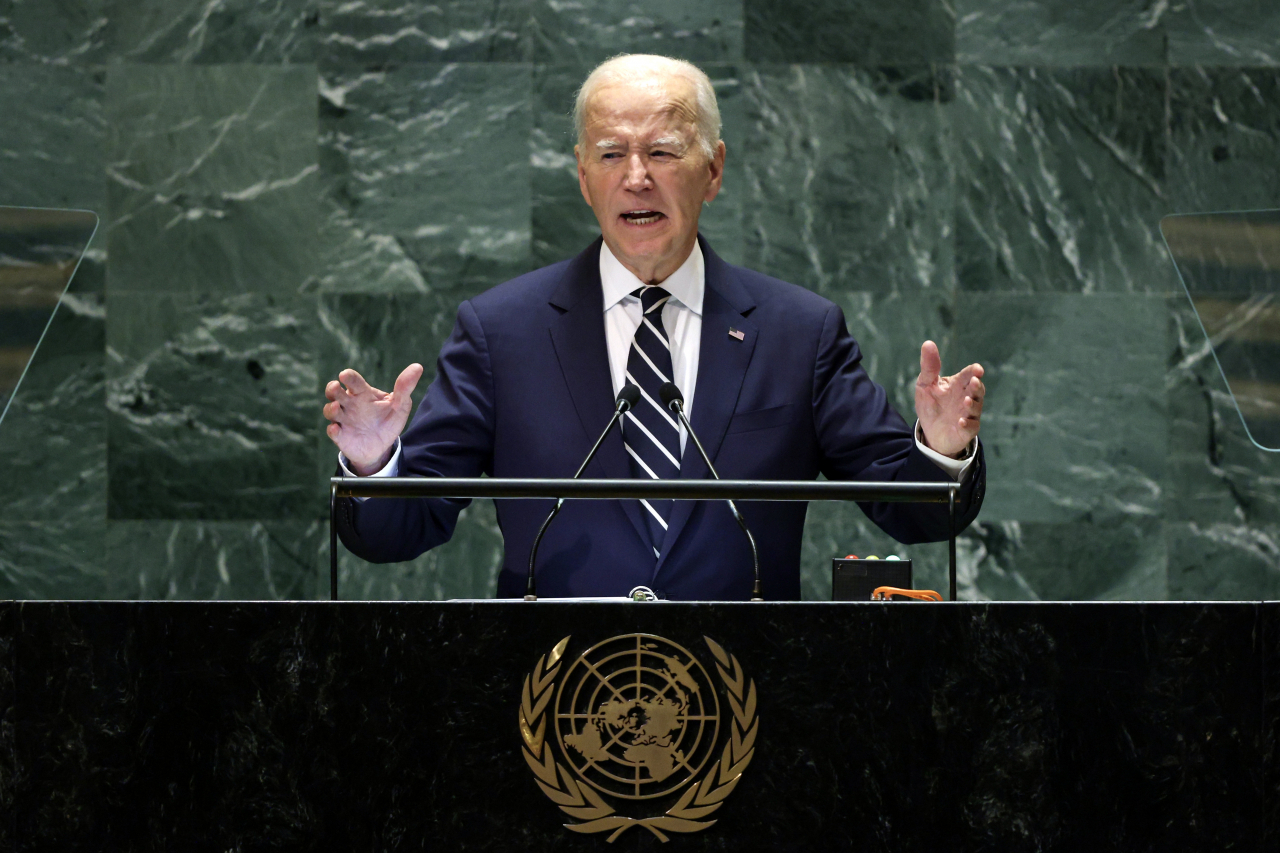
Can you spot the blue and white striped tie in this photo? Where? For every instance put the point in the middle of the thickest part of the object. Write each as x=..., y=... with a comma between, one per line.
x=650, y=433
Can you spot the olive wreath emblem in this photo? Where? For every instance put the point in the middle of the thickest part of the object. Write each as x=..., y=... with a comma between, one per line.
x=581, y=801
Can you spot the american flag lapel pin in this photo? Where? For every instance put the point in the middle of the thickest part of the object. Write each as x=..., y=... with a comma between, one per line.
x=736, y=335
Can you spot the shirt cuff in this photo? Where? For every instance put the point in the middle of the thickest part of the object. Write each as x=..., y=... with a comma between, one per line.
x=958, y=469
x=391, y=469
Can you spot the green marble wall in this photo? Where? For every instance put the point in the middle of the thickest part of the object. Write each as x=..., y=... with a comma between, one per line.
x=288, y=187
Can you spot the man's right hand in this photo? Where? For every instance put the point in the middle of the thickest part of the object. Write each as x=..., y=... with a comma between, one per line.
x=366, y=421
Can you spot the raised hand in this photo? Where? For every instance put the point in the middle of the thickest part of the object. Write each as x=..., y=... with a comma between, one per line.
x=949, y=407
x=366, y=421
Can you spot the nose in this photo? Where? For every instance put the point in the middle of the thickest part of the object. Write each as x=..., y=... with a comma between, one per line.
x=637, y=173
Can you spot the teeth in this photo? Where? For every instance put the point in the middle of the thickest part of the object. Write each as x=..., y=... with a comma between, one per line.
x=641, y=217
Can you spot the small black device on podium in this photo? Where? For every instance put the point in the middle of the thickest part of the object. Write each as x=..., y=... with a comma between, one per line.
x=854, y=579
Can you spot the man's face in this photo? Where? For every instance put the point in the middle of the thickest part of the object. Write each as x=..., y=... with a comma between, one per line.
x=644, y=174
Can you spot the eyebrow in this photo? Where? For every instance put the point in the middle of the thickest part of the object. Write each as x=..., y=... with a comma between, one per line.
x=665, y=141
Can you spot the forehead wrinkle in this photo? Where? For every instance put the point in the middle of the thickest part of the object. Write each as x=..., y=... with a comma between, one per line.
x=671, y=105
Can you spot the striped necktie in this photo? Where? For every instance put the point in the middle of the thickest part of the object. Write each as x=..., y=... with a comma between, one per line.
x=651, y=434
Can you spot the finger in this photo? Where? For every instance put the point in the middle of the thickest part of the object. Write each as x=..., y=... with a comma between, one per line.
x=930, y=364
x=977, y=369
x=354, y=381
x=332, y=390
x=964, y=378
x=333, y=431
x=977, y=390
x=332, y=411
x=405, y=383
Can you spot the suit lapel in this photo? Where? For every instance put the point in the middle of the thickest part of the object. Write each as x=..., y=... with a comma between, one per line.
x=577, y=336
x=722, y=366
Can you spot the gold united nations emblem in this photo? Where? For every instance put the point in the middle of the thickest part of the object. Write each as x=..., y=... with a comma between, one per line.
x=632, y=724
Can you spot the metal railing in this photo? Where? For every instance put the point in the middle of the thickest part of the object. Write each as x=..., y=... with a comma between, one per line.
x=738, y=490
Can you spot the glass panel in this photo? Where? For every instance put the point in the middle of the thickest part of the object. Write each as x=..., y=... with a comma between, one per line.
x=40, y=250
x=1230, y=266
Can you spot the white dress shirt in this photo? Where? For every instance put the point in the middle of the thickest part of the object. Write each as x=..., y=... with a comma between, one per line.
x=682, y=321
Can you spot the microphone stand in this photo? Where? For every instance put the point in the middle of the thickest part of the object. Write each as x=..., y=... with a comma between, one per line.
x=627, y=398
x=675, y=401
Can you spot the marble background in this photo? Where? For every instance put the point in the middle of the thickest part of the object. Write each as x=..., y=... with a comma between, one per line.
x=290, y=187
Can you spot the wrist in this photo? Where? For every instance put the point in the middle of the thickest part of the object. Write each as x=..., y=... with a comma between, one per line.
x=959, y=455
x=365, y=469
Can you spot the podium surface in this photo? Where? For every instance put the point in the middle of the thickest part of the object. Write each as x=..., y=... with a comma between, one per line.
x=397, y=726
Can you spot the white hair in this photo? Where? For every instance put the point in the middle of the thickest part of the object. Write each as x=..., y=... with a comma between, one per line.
x=636, y=67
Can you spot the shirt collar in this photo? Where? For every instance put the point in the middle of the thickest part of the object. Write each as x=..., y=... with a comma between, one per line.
x=686, y=285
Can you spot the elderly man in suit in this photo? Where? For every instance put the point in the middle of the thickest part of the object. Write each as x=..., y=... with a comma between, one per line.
x=772, y=380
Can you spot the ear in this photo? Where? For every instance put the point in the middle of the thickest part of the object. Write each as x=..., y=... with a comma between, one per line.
x=582, y=175
x=716, y=168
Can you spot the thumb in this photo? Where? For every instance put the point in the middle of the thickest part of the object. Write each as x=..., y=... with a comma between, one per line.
x=930, y=364
x=406, y=382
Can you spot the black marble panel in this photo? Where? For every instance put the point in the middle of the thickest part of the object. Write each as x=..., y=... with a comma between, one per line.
x=221, y=31
x=53, y=31
x=426, y=178
x=882, y=727
x=375, y=33
x=212, y=178
x=589, y=31
x=212, y=407
x=8, y=724
x=861, y=31
x=1075, y=419
x=1060, y=180
x=563, y=224
x=1053, y=32
x=1270, y=639
x=1224, y=139
x=848, y=187
x=1224, y=32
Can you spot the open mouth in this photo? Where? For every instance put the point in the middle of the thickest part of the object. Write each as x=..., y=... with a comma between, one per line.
x=642, y=217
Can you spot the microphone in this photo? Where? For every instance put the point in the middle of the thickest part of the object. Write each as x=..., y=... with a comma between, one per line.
x=627, y=397
x=674, y=400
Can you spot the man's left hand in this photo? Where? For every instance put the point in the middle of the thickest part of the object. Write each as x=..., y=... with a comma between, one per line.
x=949, y=407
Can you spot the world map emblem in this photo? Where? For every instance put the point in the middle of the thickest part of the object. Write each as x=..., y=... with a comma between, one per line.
x=630, y=733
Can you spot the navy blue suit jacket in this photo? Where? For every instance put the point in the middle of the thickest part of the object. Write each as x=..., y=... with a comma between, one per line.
x=522, y=389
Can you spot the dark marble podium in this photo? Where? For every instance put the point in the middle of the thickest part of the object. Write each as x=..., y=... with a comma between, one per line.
x=894, y=727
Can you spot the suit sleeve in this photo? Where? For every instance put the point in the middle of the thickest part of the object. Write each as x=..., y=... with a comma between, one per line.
x=451, y=435
x=861, y=437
